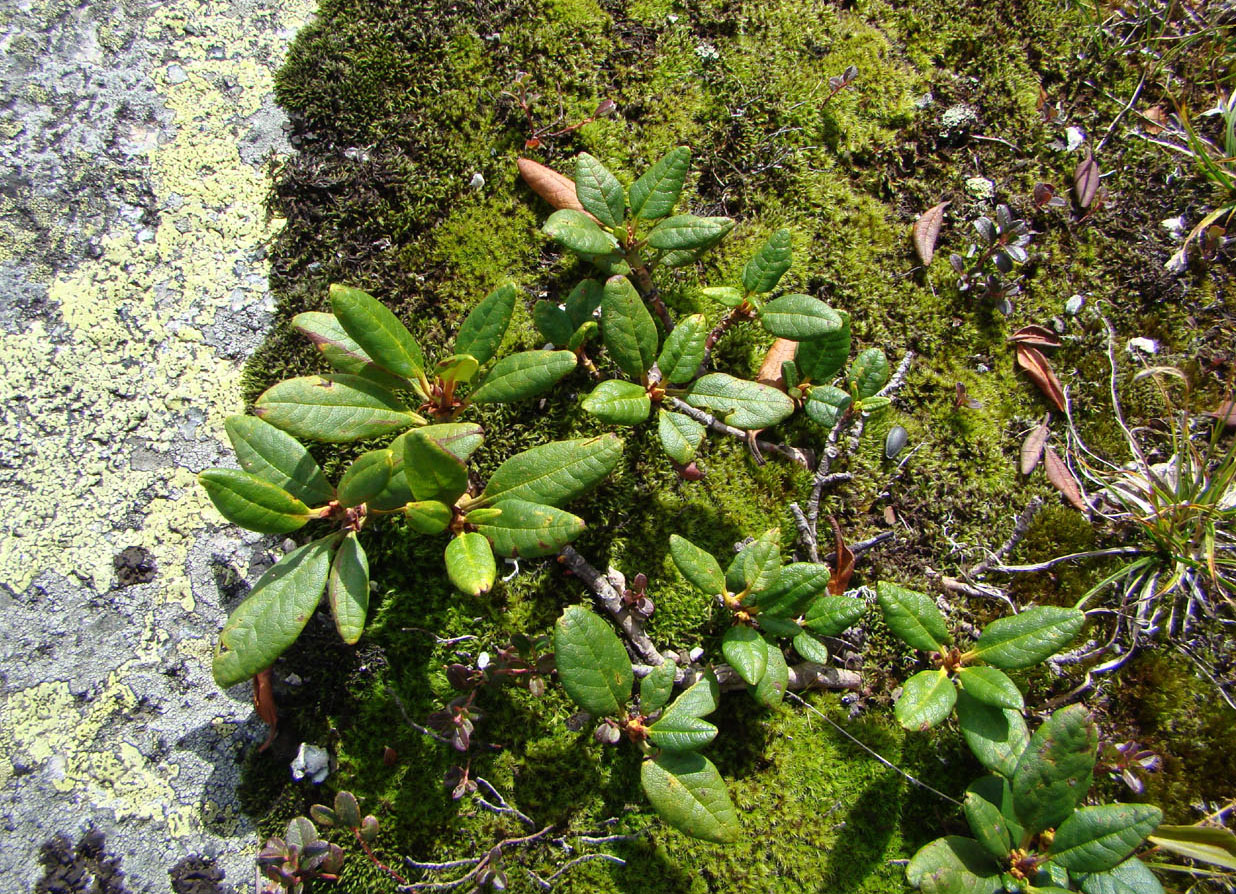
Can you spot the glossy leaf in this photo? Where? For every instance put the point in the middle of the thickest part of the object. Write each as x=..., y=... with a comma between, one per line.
x=1056, y=769
x=593, y=667
x=523, y=375
x=758, y=565
x=926, y=699
x=618, y=402
x=528, y=529
x=627, y=328
x=686, y=232
x=348, y=588
x=810, y=648
x=1130, y=877
x=428, y=517
x=795, y=586
x=343, y=353
x=989, y=810
x=833, y=615
x=991, y=686
x=680, y=727
x=456, y=368
x=745, y=651
x=680, y=435
x=553, y=323
x=820, y=359
x=657, y=687
x=1209, y=844
x=460, y=439
x=776, y=627
x=1029, y=638
x=278, y=458
x=583, y=335
x=367, y=477
x=913, y=617
x=252, y=502
x=579, y=232
x=770, y=263
x=996, y=736
x=954, y=865
x=737, y=402
x=656, y=192
x=697, y=566
x=1095, y=839
x=727, y=296
x=470, y=564
x=869, y=373
x=583, y=300
x=683, y=351
x=336, y=409
x=776, y=680
x=483, y=329
x=599, y=191
x=433, y=472
x=687, y=792
x=554, y=473
x=379, y=332
x=826, y=405
x=800, y=317
x=273, y=615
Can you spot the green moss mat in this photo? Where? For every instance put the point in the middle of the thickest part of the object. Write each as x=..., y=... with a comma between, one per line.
x=397, y=105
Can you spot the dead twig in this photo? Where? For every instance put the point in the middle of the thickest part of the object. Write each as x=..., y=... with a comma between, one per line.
x=794, y=454
x=611, y=600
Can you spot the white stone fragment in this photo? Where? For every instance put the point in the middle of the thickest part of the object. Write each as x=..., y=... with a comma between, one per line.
x=1074, y=137
x=312, y=763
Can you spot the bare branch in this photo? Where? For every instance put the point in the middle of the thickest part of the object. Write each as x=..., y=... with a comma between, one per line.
x=611, y=601
x=1051, y=563
x=1020, y=527
x=794, y=454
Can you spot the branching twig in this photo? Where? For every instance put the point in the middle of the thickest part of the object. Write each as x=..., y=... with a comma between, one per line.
x=1020, y=527
x=1051, y=563
x=863, y=545
x=423, y=730
x=547, y=884
x=502, y=807
x=479, y=863
x=611, y=601
x=794, y=454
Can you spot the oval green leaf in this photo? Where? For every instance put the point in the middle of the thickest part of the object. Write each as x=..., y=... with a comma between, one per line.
x=687, y=792
x=746, y=651
x=334, y=408
x=913, y=617
x=996, y=736
x=869, y=373
x=427, y=517
x=954, y=865
x=757, y=565
x=799, y=317
x=599, y=191
x=697, y=566
x=657, y=687
x=686, y=232
x=926, y=699
x=820, y=359
x=343, y=353
x=737, y=402
x=618, y=402
x=627, y=328
x=348, y=588
x=776, y=680
x=987, y=805
x=432, y=471
x=833, y=615
x=1029, y=638
x=991, y=686
x=252, y=502
x=523, y=375
x=655, y=193
x=1056, y=769
x=553, y=323
x=367, y=477
x=826, y=404
x=483, y=329
x=810, y=648
x=680, y=436
x=278, y=458
x=1095, y=839
x=1130, y=877
x=583, y=301
x=796, y=585
x=578, y=232
x=593, y=667
x=770, y=263
x=683, y=351
x=470, y=564
x=379, y=332
x=554, y=473
x=529, y=529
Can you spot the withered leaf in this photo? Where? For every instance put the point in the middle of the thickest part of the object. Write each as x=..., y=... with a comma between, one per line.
x=551, y=186
x=1032, y=447
x=1086, y=180
x=770, y=370
x=1043, y=193
x=1225, y=413
x=1036, y=336
x=927, y=230
x=264, y=704
x=1062, y=479
x=844, y=569
x=1031, y=359
x=890, y=515
x=964, y=399
x=1156, y=120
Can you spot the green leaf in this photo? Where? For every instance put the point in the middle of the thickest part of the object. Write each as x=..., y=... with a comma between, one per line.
x=428, y=517
x=988, y=806
x=680, y=435
x=432, y=471
x=996, y=736
x=833, y=615
x=460, y=439
x=765, y=270
x=777, y=627
x=553, y=323
x=746, y=651
x=378, y=332
x=344, y=354
x=456, y=368
x=872, y=407
x=796, y=584
x=724, y=295
x=368, y=476
x=484, y=327
x=618, y=402
x=799, y=317
x=599, y=191
x=687, y=792
x=470, y=564
x=758, y=565
x=699, y=699
x=737, y=402
x=583, y=335
x=579, y=232
x=682, y=257
x=954, y=865
x=583, y=301
x=523, y=375
x=1056, y=769
x=680, y=727
x=1209, y=844
x=348, y=588
x=593, y=667
x=253, y=503
x=1029, y=638
x=278, y=458
x=554, y=473
x=810, y=648
x=683, y=351
x=686, y=232
x=529, y=530
x=697, y=566
x=869, y=373
x=991, y=687
x=820, y=359
x=657, y=687
x=655, y=193
x=334, y=408
x=826, y=404
x=913, y=617
x=273, y=615
x=627, y=328
x=1130, y=877
x=776, y=680
x=1095, y=839
x=926, y=699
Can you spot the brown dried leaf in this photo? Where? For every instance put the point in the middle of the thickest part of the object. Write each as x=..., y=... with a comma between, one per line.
x=770, y=370
x=264, y=704
x=1086, y=180
x=927, y=230
x=964, y=399
x=1157, y=120
x=1039, y=370
x=1225, y=413
x=551, y=186
x=1062, y=479
x=890, y=515
x=1036, y=336
x=1032, y=447
x=844, y=569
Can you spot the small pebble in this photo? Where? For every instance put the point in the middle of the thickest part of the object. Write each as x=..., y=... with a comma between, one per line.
x=1073, y=306
x=895, y=441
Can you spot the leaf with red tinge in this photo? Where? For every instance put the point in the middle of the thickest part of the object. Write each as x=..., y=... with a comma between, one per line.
x=1039, y=370
x=264, y=704
x=556, y=189
x=1086, y=180
x=1032, y=447
x=1062, y=479
x=927, y=231
x=1036, y=336
x=840, y=578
